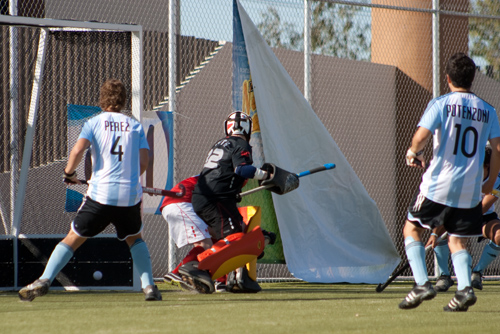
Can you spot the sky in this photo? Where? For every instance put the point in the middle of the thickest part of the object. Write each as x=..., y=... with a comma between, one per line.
x=216, y=16
x=212, y=19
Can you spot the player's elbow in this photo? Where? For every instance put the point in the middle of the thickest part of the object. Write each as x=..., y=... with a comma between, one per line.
x=495, y=145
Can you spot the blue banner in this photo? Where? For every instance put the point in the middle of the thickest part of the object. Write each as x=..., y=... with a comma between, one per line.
x=244, y=100
x=241, y=68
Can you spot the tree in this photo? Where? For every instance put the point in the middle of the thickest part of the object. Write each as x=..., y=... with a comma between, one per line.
x=276, y=33
x=336, y=30
x=484, y=36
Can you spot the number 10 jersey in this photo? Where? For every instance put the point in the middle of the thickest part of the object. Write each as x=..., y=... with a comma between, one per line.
x=461, y=124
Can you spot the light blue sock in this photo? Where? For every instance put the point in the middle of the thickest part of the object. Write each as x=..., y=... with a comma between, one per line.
x=442, y=253
x=142, y=262
x=415, y=252
x=490, y=252
x=462, y=263
x=60, y=257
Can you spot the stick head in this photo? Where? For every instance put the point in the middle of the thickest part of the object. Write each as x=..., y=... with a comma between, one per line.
x=281, y=180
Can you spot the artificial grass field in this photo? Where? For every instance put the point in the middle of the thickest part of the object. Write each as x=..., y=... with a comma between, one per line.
x=294, y=307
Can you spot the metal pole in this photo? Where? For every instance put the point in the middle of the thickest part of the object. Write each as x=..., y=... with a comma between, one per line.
x=28, y=144
x=172, y=50
x=307, y=50
x=137, y=109
x=435, y=73
x=137, y=74
x=14, y=108
x=435, y=50
x=172, y=85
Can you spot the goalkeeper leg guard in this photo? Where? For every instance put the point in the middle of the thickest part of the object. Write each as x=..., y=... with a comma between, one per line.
x=232, y=252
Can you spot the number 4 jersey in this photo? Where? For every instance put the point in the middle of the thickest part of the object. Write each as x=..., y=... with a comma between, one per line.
x=116, y=140
x=462, y=123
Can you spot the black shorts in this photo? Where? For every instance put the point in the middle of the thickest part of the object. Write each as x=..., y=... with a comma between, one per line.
x=221, y=215
x=93, y=217
x=460, y=222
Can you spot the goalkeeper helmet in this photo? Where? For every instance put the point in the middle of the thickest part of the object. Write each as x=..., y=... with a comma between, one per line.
x=238, y=123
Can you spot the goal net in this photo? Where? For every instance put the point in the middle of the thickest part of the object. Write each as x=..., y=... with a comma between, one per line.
x=52, y=71
x=46, y=67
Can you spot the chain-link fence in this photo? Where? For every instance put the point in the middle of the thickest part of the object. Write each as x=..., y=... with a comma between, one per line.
x=372, y=68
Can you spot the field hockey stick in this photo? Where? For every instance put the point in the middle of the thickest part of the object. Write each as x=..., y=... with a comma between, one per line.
x=304, y=173
x=381, y=287
x=157, y=191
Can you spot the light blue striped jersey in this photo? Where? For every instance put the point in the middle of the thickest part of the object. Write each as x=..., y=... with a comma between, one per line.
x=462, y=123
x=115, y=141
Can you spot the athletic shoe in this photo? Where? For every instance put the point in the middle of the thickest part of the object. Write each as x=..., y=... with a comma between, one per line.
x=38, y=288
x=462, y=300
x=151, y=292
x=220, y=287
x=417, y=295
x=443, y=283
x=175, y=279
x=477, y=280
x=269, y=237
x=240, y=282
x=199, y=279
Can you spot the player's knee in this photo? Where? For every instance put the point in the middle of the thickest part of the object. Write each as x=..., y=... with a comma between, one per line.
x=496, y=238
x=205, y=243
x=409, y=241
x=133, y=243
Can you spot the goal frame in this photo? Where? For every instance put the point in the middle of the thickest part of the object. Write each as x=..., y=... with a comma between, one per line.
x=18, y=189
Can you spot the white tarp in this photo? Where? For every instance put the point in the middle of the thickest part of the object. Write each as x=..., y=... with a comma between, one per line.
x=332, y=230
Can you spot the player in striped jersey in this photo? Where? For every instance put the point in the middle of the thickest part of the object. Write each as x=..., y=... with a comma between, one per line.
x=450, y=192
x=119, y=156
x=491, y=231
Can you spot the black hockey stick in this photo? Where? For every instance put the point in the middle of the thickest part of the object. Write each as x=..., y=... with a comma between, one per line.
x=156, y=191
x=304, y=173
x=381, y=286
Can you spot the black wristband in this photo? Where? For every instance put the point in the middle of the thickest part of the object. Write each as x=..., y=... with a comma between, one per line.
x=69, y=175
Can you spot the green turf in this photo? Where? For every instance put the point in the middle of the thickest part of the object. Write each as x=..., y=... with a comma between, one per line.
x=280, y=308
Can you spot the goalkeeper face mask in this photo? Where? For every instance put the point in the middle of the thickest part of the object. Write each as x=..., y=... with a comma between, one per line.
x=238, y=123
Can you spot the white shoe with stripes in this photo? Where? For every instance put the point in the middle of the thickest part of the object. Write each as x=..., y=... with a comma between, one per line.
x=462, y=300
x=417, y=295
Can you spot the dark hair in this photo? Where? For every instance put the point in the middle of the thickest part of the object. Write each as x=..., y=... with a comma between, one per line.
x=487, y=156
x=461, y=70
x=113, y=95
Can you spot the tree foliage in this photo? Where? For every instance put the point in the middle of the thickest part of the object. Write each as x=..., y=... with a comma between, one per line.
x=485, y=34
x=336, y=30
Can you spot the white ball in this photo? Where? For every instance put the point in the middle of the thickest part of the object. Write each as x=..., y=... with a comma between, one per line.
x=97, y=275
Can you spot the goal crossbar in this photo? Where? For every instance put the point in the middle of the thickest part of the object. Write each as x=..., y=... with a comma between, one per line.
x=52, y=23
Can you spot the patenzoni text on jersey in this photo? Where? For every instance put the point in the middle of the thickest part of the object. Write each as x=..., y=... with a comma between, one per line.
x=470, y=113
